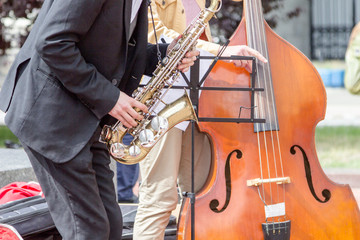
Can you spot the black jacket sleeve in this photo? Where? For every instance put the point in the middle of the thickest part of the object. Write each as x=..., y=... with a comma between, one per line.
x=64, y=26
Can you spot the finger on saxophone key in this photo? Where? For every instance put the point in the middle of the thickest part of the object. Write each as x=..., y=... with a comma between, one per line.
x=124, y=110
x=188, y=60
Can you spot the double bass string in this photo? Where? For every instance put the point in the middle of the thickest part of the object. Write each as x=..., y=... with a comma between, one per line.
x=257, y=44
x=269, y=89
x=276, y=120
x=268, y=71
x=249, y=38
x=262, y=112
x=261, y=46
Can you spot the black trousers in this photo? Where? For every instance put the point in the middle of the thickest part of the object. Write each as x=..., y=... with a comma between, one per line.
x=80, y=193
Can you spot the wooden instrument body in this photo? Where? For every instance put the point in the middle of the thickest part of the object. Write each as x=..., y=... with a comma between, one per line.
x=301, y=102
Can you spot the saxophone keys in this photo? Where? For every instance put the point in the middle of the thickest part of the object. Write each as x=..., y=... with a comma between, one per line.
x=105, y=134
x=159, y=124
x=177, y=46
x=146, y=137
x=165, y=60
x=135, y=93
x=134, y=151
x=117, y=150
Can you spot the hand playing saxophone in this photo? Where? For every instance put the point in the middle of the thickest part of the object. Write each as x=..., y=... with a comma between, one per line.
x=124, y=108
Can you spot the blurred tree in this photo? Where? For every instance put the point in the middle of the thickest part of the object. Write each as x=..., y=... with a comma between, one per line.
x=4, y=44
x=227, y=20
x=10, y=12
x=230, y=14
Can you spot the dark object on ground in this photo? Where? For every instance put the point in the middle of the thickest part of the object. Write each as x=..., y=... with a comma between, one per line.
x=31, y=218
x=11, y=144
x=134, y=199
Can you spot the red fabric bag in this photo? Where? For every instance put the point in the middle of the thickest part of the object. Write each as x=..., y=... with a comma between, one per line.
x=7, y=232
x=18, y=190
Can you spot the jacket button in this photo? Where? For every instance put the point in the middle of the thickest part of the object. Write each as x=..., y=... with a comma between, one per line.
x=114, y=82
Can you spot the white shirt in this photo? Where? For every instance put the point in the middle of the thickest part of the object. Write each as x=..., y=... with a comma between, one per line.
x=134, y=9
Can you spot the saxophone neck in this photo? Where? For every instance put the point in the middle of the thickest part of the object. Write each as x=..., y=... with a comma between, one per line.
x=214, y=7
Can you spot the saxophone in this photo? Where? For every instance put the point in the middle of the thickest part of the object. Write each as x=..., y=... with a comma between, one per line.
x=153, y=127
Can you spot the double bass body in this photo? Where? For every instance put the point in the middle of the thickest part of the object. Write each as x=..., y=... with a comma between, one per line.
x=282, y=155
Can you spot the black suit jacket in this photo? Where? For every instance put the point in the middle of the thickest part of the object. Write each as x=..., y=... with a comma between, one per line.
x=67, y=75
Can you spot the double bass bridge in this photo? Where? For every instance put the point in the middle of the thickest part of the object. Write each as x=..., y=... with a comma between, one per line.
x=258, y=181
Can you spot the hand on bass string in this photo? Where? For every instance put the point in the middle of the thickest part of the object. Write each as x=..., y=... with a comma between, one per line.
x=124, y=110
x=243, y=50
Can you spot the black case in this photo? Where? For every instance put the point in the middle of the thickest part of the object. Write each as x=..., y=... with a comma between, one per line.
x=31, y=218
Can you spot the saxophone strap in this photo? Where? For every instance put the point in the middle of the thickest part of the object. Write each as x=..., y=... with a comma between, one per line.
x=156, y=41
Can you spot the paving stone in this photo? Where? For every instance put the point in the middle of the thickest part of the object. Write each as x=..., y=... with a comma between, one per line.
x=15, y=167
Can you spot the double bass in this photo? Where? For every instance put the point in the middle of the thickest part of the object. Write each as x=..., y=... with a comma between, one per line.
x=266, y=181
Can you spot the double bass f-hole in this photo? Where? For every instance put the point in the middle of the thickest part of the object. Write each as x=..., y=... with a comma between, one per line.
x=326, y=192
x=215, y=203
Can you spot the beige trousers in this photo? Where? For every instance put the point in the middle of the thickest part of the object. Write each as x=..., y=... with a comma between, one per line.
x=168, y=160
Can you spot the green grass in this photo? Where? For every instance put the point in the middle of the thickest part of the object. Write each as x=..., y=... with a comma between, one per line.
x=6, y=134
x=338, y=147
x=332, y=64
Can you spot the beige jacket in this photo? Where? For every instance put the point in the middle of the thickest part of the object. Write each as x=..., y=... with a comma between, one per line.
x=170, y=20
